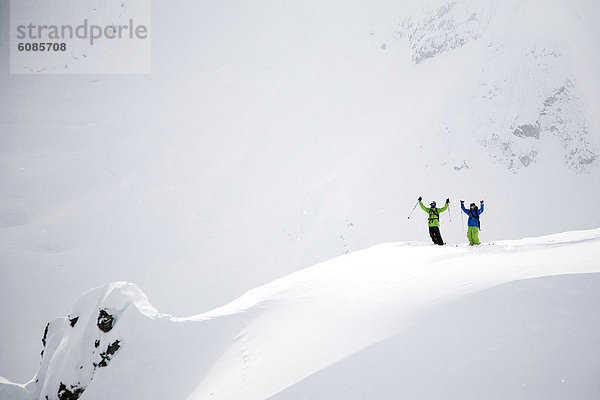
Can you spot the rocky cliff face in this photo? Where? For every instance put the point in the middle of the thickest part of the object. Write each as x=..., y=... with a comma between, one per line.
x=78, y=346
x=525, y=95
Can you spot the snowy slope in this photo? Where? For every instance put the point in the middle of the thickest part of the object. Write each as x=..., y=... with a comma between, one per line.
x=387, y=300
x=529, y=339
x=274, y=135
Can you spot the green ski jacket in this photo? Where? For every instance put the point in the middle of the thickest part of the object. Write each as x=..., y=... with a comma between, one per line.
x=434, y=213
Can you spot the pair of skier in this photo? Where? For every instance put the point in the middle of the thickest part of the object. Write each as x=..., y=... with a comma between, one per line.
x=434, y=220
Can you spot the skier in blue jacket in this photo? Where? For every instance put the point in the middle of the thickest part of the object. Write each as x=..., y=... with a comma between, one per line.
x=473, y=212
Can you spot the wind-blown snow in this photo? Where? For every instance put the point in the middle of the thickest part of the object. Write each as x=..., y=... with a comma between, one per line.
x=281, y=333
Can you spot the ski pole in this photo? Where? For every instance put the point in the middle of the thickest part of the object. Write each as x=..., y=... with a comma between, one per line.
x=413, y=210
x=462, y=221
x=449, y=213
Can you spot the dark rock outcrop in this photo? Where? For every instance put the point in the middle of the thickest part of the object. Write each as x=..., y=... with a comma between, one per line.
x=110, y=351
x=72, y=393
x=73, y=321
x=105, y=321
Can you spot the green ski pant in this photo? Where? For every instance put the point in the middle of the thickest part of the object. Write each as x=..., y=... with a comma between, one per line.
x=473, y=235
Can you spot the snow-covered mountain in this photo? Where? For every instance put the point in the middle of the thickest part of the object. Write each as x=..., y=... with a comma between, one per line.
x=274, y=135
x=512, y=319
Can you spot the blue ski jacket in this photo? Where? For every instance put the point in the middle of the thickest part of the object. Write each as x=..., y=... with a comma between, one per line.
x=473, y=220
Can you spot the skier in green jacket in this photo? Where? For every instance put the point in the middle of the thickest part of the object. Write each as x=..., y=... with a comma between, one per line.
x=434, y=220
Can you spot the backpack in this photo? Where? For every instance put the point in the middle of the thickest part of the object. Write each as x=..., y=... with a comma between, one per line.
x=433, y=214
x=476, y=216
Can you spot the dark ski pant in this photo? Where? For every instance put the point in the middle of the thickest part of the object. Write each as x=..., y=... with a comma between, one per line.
x=436, y=236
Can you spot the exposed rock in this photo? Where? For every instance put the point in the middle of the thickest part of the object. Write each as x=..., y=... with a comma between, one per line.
x=105, y=321
x=441, y=30
x=526, y=160
x=563, y=118
x=505, y=152
x=45, y=337
x=528, y=130
x=73, y=393
x=561, y=123
x=110, y=351
x=74, y=351
x=73, y=321
x=464, y=165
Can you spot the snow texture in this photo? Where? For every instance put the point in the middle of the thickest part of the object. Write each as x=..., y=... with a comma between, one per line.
x=296, y=327
x=273, y=135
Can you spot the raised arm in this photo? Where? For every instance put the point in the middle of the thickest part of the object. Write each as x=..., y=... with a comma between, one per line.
x=441, y=210
x=481, y=207
x=465, y=210
x=423, y=207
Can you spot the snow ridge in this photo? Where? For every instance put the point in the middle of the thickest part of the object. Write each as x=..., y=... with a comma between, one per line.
x=278, y=334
